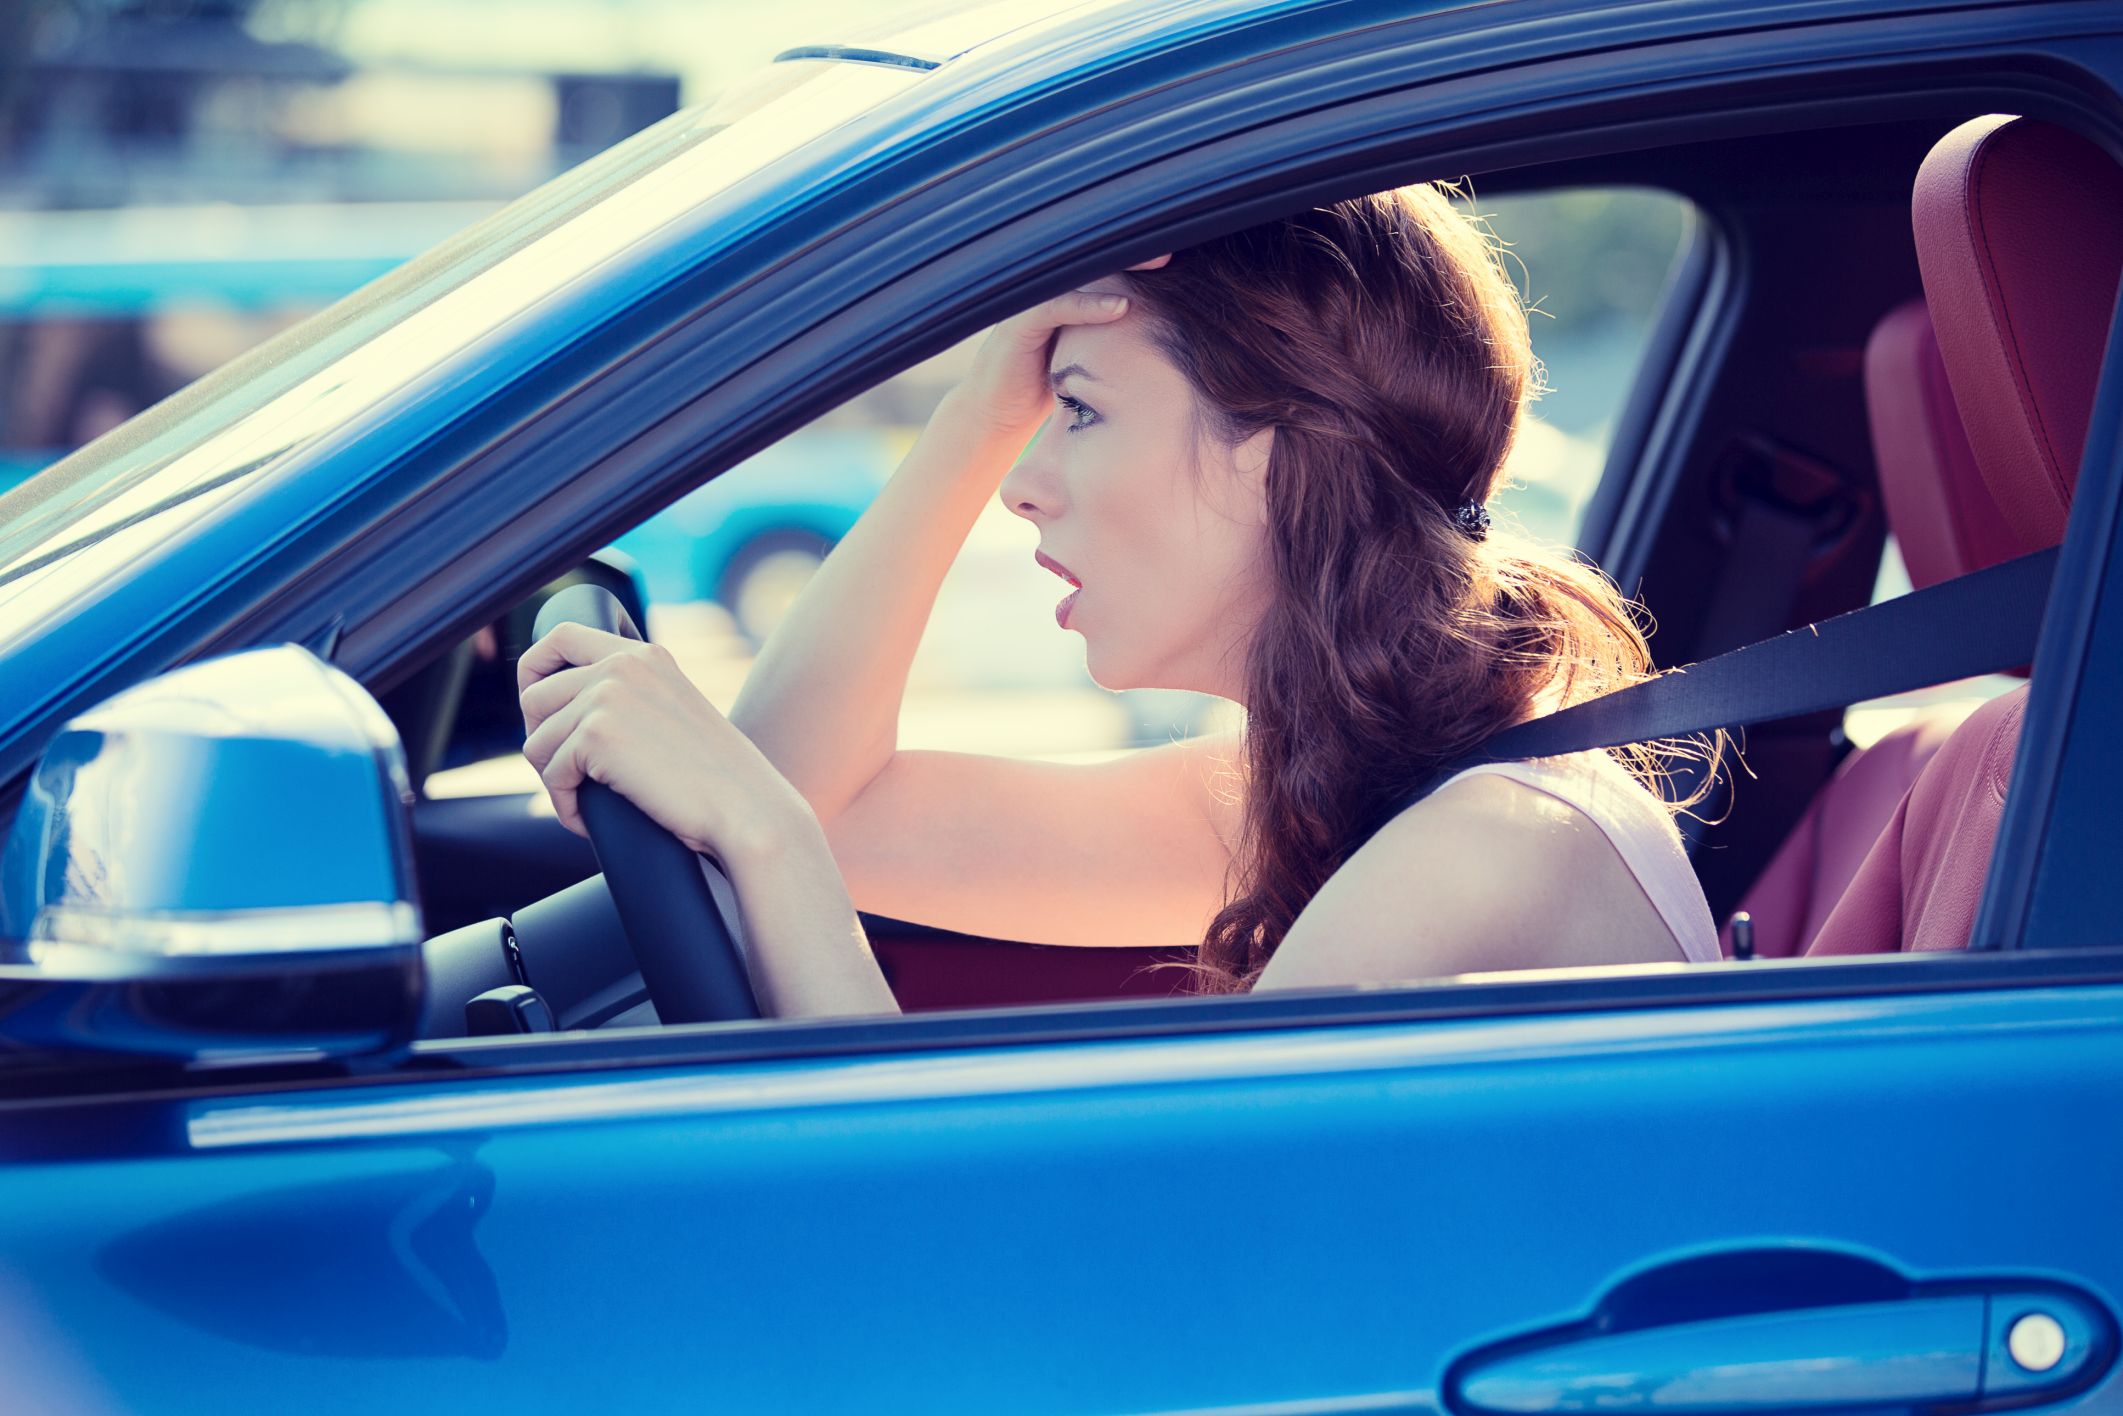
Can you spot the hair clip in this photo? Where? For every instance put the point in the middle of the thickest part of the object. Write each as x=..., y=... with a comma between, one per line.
x=1472, y=518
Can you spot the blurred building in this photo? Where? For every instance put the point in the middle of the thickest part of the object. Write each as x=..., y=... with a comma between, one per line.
x=176, y=186
x=106, y=105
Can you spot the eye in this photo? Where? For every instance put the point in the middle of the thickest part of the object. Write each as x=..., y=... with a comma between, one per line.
x=1081, y=414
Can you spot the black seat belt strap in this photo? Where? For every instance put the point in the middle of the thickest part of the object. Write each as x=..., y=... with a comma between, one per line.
x=1984, y=622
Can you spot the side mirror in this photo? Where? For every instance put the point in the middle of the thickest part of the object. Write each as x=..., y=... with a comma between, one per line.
x=215, y=865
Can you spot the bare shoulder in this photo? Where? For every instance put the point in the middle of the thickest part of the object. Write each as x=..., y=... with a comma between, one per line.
x=1212, y=763
x=1489, y=802
x=1486, y=873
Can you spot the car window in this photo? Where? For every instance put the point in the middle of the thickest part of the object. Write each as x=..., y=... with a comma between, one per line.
x=722, y=564
x=1592, y=264
x=993, y=674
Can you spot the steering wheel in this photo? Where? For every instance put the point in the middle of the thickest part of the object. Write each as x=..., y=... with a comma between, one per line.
x=688, y=957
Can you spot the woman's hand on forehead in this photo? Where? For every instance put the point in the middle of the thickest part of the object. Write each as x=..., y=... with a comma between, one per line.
x=1008, y=386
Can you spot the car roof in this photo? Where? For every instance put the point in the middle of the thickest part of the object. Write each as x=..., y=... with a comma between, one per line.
x=934, y=34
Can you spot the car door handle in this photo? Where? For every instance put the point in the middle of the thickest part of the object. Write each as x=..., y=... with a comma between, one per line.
x=1969, y=1349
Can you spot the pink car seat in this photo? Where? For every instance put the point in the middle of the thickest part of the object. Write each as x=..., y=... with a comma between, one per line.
x=2019, y=230
x=1945, y=525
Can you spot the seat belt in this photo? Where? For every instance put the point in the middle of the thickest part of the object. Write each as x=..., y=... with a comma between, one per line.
x=1983, y=622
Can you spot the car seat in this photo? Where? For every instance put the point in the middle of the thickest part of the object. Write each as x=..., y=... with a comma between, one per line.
x=2019, y=232
x=1946, y=525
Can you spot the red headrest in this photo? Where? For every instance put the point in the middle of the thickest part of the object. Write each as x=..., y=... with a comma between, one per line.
x=1938, y=507
x=2019, y=229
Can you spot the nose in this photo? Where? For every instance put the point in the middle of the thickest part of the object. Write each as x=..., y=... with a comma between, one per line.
x=1032, y=488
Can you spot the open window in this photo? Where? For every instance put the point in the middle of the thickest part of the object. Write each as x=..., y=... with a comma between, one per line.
x=1773, y=511
x=993, y=674
x=1770, y=510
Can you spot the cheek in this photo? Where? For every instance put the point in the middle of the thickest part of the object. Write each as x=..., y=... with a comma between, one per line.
x=1187, y=570
x=1179, y=570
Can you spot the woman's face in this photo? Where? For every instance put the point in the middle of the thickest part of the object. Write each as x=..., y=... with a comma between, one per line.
x=1172, y=563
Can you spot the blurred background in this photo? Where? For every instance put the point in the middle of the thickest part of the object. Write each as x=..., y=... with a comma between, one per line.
x=180, y=179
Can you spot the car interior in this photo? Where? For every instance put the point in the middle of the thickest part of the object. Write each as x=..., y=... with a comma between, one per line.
x=1890, y=329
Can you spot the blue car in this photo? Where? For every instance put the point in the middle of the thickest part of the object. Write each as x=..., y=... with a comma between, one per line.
x=318, y=1094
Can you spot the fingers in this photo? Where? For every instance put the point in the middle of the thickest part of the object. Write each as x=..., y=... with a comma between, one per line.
x=568, y=644
x=647, y=671
x=582, y=723
x=1078, y=307
x=564, y=776
x=1081, y=306
x=558, y=752
x=1084, y=306
x=541, y=745
x=551, y=693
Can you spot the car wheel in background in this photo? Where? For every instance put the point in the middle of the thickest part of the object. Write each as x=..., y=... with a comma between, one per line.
x=764, y=578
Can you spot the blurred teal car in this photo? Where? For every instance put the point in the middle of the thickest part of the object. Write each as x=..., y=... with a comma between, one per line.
x=105, y=313
x=752, y=538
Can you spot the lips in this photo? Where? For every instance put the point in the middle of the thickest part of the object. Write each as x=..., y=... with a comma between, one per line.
x=1061, y=611
x=1057, y=567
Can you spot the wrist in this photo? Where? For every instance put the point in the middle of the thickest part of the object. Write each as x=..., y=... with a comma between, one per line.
x=971, y=414
x=766, y=831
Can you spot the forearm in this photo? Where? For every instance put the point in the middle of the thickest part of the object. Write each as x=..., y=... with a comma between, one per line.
x=804, y=943
x=822, y=700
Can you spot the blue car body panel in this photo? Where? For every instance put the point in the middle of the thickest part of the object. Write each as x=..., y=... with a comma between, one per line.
x=1236, y=1205
x=1227, y=1221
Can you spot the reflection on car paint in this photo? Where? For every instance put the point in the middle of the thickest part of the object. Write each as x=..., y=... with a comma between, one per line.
x=407, y=1279
x=485, y=1108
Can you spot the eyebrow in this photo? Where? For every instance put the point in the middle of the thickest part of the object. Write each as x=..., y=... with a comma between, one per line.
x=1055, y=377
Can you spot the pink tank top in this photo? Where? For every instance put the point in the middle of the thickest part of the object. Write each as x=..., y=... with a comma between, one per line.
x=1640, y=828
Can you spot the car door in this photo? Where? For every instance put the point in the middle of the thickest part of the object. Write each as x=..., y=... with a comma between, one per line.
x=1294, y=1204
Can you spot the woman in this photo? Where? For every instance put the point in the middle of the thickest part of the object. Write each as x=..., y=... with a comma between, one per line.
x=1264, y=467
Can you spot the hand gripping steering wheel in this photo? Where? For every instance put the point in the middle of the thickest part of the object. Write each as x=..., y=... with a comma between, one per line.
x=689, y=960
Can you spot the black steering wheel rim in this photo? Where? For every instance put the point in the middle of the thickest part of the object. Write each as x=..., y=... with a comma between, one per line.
x=689, y=959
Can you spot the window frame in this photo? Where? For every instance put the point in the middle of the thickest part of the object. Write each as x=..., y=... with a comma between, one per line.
x=1698, y=319
x=2038, y=885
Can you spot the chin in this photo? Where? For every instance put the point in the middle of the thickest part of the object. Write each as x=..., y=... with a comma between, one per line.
x=1106, y=670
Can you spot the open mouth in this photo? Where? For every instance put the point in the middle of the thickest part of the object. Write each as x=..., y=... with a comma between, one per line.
x=1057, y=567
x=1061, y=611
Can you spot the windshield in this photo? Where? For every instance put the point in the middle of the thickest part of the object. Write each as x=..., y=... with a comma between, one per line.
x=84, y=516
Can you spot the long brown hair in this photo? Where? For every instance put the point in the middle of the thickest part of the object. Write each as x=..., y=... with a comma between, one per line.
x=1386, y=346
